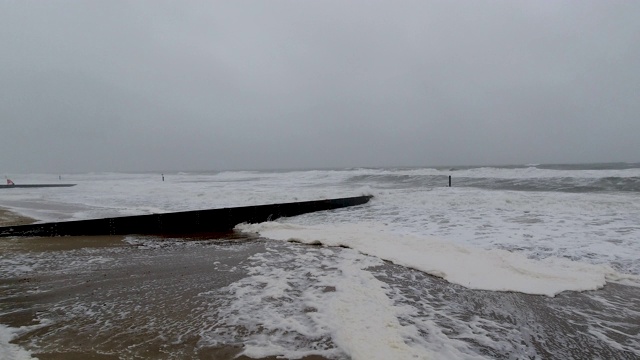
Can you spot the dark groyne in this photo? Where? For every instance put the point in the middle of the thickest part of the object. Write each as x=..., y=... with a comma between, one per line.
x=35, y=186
x=177, y=223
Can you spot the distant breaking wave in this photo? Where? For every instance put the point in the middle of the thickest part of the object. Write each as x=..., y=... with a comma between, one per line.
x=561, y=184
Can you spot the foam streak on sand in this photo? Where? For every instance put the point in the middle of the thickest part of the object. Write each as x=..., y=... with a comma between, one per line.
x=10, y=351
x=331, y=301
x=496, y=270
x=360, y=294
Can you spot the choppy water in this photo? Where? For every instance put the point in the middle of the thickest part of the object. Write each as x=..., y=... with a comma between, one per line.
x=529, y=261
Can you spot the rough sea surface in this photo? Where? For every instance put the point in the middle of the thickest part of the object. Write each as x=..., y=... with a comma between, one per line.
x=512, y=262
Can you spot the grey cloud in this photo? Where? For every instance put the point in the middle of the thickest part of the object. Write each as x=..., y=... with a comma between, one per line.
x=137, y=86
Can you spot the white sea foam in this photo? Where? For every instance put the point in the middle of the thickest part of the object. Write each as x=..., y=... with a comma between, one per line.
x=497, y=270
x=327, y=295
x=106, y=195
x=503, y=173
x=9, y=351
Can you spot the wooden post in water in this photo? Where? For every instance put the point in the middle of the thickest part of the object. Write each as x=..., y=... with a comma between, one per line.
x=449, y=180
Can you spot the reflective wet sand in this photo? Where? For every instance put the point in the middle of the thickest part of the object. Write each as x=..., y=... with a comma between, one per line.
x=8, y=218
x=102, y=298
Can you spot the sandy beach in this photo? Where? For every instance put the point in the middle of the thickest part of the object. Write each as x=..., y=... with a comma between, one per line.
x=8, y=218
x=162, y=288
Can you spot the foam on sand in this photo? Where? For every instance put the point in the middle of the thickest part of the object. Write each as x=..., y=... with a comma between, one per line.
x=9, y=351
x=299, y=301
x=496, y=270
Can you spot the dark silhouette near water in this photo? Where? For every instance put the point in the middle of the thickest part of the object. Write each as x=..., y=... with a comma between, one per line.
x=180, y=223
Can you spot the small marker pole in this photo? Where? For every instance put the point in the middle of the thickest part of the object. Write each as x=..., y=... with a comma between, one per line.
x=163, y=178
x=449, y=180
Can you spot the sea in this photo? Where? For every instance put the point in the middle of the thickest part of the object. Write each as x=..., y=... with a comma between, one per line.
x=527, y=261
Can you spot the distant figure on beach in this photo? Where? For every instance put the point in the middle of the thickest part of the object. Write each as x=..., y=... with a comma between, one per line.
x=9, y=182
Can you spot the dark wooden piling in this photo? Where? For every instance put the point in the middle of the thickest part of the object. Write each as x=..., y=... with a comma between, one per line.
x=185, y=222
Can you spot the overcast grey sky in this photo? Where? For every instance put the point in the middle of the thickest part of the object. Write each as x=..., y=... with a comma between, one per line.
x=188, y=85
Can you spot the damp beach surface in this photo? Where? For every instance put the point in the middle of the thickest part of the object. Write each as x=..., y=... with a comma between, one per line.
x=241, y=296
x=108, y=297
x=8, y=218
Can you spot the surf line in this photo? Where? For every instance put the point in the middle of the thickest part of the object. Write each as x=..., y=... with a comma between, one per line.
x=181, y=223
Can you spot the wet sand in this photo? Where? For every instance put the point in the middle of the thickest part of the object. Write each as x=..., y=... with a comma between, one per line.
x=105, y=298
x=143, y=302
x=113, y=297
x=8, y=218
x=132, y=294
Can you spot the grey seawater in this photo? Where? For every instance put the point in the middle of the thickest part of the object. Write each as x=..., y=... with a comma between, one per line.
x=601, y=324
x=155, y=298
x=572, y=178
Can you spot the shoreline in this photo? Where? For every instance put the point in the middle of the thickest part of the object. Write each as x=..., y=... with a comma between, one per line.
x=113, y=277
x=134, y=287
x=111, y=297
x=17, y=310
x=11, y=218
